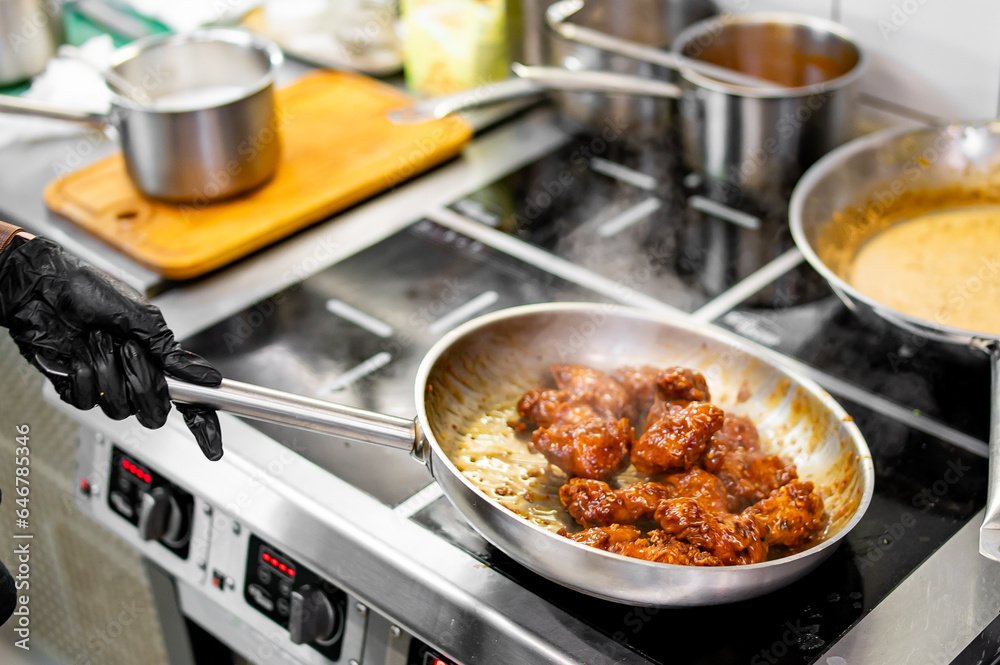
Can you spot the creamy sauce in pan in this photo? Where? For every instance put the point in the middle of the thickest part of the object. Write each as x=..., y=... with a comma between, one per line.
x=943, y=267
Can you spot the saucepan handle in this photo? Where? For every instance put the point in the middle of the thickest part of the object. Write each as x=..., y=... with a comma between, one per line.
x=533, y=81
x=989, y=534
x=29, y=107
x=315, y=415
x=558, y=12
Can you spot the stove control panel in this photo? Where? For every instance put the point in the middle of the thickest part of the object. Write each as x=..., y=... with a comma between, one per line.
x=310, y=608
x=159, y=510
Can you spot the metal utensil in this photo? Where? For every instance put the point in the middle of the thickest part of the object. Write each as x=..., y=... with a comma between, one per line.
x=887, y=164
x=493, y=359
x=31, y=31
x=532, y=81
x=558, y=13
x=209, y=130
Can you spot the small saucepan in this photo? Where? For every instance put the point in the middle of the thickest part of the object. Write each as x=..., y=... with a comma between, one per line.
x=862, y=195
x=194, y=111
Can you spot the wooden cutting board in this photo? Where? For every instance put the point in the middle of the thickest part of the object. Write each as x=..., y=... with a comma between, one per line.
x=337, y=148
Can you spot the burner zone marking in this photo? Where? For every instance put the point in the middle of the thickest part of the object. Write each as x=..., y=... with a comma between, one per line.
x=359, y=318
x=623, y=173
x=724, y=212
x=630, y=216
x=463, y=312
x=373, y=364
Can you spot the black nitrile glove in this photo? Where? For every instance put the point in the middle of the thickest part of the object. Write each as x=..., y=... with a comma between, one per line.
x=113, y=344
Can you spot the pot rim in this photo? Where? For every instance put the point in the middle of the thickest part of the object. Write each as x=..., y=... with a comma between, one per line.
x=707, y=26
x=239, y=38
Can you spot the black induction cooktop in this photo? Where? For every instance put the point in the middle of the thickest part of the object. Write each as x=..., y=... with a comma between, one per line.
x=356, y=331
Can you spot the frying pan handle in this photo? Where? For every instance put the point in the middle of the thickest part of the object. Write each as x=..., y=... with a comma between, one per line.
x=534, y=81
x=558, y=12
x=29, y=107
x=989, y=534
x=315, y=415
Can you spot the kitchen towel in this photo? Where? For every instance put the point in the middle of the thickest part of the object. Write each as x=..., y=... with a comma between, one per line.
x=66, y=82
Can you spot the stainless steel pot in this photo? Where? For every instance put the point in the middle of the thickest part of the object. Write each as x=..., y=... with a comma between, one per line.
x=30, y=31
x=759, y=142
x=653, y=23
x=858, y=184
x=751, y=143
x=198, y=122
x=495, y=358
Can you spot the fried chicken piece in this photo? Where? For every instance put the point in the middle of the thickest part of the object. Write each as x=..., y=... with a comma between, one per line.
x=605, y=537
x=737, y=432
x=546, y=407
x=734, y=539
x=594, y=503
x=790, y=514
x=647, y=386
x=597, y=449
x=677, y=440
x=750, y=476
x=681, y=383
x=696, y=483
x=734, y=455
x=639, y=382
x=695, y=555
x=585, y=380
x=670, y=550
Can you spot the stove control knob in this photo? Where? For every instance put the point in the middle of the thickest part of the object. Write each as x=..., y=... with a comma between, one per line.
x=160, y=517
x=312, y=617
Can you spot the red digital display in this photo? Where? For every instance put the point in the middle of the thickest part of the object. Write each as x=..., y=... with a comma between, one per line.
x=283, y=567
x=136, y=471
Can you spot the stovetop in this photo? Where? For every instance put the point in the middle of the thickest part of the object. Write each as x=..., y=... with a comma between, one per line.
x=356, y=331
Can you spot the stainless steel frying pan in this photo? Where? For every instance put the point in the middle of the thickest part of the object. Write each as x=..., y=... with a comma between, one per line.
x=495, y=358
x=870, y=176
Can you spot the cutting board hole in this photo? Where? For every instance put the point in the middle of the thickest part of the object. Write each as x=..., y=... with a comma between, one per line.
x=128, y=214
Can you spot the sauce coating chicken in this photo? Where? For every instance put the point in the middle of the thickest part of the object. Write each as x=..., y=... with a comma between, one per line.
x=546, y=407
x=734, y=539
x=710, y=466
x=698, y=484
x=597, y=449
x=577, y=432
x=648, y=386
x=734, y=455
x=605, y=537
x=790, y=514
x=677, y=440
x=594, y=503
x=586, y=380
x=627, y=540
x=666, y=549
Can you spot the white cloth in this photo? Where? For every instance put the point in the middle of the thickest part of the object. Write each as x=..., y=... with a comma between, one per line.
x=68, y=83
x=181, y=15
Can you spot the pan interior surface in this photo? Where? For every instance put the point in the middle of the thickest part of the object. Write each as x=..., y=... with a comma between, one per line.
x=925, y=202
x=473, y=385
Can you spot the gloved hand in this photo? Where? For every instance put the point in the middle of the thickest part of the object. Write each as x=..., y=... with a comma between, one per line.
x=113, y=344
